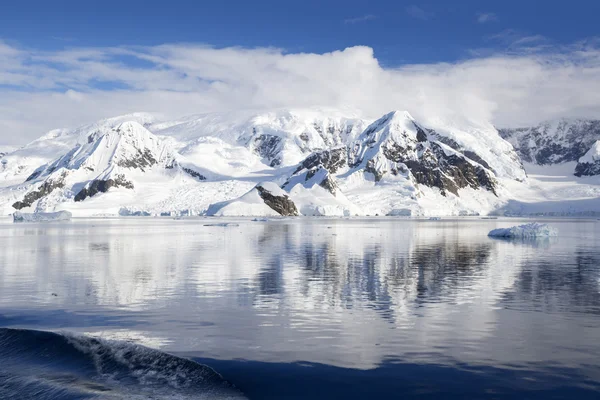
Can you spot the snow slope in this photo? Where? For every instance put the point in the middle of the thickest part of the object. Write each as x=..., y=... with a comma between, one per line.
x=4, y=150
x=19, y=164
x=323, y=161
x=279, y=137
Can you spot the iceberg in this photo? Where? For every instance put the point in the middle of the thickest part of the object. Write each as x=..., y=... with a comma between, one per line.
x=532, y=230
x=222, y=224
x=41, y=217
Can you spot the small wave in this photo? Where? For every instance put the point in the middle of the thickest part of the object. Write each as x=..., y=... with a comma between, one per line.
x=47, y=365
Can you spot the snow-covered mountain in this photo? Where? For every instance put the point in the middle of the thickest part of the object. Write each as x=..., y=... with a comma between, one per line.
x=108, y=158
x=280, y=162
x=554, y=142
x=281, y=137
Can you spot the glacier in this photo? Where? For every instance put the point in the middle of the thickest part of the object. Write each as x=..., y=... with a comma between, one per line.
x=324, y=162
x=42, y=217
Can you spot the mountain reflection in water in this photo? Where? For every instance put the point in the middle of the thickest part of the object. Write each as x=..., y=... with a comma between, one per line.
x=336, y=297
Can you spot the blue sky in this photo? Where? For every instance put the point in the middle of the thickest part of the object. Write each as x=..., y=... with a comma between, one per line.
x=399, y=31
x=509, y=63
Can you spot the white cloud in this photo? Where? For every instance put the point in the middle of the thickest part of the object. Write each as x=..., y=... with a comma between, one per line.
x=364, y=18
x=45, y=90
x=419, y=13
x=482, y=18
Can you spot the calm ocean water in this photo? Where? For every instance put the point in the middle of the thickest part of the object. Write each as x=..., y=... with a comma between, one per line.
x=298, y=308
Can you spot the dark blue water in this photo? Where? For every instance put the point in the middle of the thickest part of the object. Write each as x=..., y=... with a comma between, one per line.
x=312, y=308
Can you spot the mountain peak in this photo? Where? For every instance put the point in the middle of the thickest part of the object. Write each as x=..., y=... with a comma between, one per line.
x=399, y=115
x=130, y=127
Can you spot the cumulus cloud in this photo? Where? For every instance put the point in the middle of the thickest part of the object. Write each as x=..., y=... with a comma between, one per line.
x=44, y=90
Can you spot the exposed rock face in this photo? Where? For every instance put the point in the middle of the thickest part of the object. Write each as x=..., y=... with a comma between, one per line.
x=332, y=160
x=281, y=204
x=43, y=190
x=193, y=173
x=396, y=145
x=102, y=186
x=34, y=175
x=326, y=182
x=587, y=169
x=589, y=164
x=554, y=142
x=269, y=148
x=140, y=160
x=317, y=169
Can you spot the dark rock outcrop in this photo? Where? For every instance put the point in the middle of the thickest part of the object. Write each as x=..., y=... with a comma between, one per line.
x=327, y=183
x=322, y=164
x=36, y=174
x=332, y=160
x=140, y=160
x=268, y=147
x=587, y=169
x=553, y=143
x=392, y=146
x=281, y=204
x=43, y=190
x=193, y=173
x=102, y=186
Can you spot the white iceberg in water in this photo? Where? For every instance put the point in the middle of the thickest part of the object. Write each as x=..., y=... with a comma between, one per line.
x=222, y=224
x=41, y=217
x=532, y=230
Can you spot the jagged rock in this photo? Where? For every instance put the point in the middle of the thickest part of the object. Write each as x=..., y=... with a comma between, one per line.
x=102, y=186
x=34, y=175
x=589, y=164
x=332, y=160
x=43, y=190
x=397, y=145
x=587, y=169
x=463, y=172
x=193, y=173
x=553, y=142
x=269, y=148
x=323, y=179
x=282, y=204
x=317, y=169
x=142, y=159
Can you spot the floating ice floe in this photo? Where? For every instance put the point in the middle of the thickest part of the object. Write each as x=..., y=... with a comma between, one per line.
x=532, y=230
x=222, y=224
x=41, y=217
